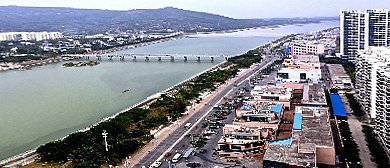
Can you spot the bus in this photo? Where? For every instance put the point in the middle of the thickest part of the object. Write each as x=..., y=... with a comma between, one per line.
x=176, y=158
x=188, y=153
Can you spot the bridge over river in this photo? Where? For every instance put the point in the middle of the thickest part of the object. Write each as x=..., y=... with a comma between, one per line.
x=147, y=57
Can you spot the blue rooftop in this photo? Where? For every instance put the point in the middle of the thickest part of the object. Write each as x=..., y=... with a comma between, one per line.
x=297, y=125
x=337, y=105
x=246, y=106
x=254, y=115
x=282, y=142
x=277, y=108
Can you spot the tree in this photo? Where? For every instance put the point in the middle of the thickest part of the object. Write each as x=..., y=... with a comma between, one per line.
x=53, y=151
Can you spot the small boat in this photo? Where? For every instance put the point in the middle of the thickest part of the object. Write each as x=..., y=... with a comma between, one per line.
x=125, y=90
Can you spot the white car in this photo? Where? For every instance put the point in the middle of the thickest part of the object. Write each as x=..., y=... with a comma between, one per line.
x=157, y=164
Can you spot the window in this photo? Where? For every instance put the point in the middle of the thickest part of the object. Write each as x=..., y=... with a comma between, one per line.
x=302, y=76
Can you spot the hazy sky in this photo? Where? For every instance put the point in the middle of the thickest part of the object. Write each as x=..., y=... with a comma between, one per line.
x=230, y=8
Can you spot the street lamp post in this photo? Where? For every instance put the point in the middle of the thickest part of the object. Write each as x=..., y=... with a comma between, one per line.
x=105, y=139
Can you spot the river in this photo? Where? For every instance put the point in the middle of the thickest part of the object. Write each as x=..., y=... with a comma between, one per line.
x=50, y=102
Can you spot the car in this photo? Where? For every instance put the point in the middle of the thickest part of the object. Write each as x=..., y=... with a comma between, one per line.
x=210, y=132
x=167, y=154
x=157, y=164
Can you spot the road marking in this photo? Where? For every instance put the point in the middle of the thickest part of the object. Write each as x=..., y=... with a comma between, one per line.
x=196, y=123
x=254, y=73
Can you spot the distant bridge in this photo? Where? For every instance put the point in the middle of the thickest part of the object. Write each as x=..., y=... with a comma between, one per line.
x=147, y=57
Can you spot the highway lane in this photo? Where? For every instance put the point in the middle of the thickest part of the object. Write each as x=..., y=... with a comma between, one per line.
x=183, y=145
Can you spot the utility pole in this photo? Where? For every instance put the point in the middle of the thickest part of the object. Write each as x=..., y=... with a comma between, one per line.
x=105, y=139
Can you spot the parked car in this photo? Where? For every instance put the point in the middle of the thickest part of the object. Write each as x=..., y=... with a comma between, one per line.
x=167, y=154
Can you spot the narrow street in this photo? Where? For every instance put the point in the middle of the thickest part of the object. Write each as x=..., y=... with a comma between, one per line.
x=356, y=128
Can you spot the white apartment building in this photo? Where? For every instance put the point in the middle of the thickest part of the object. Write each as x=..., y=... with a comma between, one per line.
x=382, y=127
x=369, y=62
x=303, y=49
x=30, y=36
x=358, y=30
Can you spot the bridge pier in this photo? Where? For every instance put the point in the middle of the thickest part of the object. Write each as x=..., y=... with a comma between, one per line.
x=87, y=57
x=159, y=58
x=134, y=57
x=172, y=58
x=99, y=57
x=226, y=58
x=146, y=58
x=122, y=58
x=109, y=57
x=198, y=58
x=212, y=59
x=185, y=58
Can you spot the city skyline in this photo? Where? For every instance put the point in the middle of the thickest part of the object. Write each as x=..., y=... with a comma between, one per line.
x=230, y=8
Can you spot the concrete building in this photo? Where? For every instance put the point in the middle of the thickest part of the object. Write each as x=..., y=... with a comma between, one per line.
x=30, y=36
x=368, y=63
x=358, y=30
x=266, y=115
x=242, y=141
x=300, y=69
x=303, y=49
x=340, y=79
x=382, y=126
x=256, y=123
x=308, y=94
x=275, y=94
x=311, y=144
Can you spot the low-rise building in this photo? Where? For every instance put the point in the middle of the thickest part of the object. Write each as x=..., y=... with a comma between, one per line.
x=302, y=49
x=311, y=144
x=30, y=36
x=340, y=79
x=300, y=69
x=275, y=94
x=242, y=141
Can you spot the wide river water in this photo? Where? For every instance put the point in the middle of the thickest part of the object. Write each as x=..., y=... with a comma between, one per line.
x=50, y=102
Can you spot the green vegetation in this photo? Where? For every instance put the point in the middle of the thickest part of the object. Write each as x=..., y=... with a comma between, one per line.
x=198, y=141
x=86, y=149
x=19, y=58
x=376, y=150
x=349, y=151
x=355, y=106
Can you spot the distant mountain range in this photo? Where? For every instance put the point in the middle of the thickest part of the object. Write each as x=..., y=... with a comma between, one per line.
x=92, y=21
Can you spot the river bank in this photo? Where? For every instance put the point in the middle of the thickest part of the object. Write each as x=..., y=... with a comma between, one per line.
x=31, y=63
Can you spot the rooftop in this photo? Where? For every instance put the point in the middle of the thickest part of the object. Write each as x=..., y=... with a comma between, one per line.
x=273, y=90
x=315, y=132
x=313, y=94
x=337, y=72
